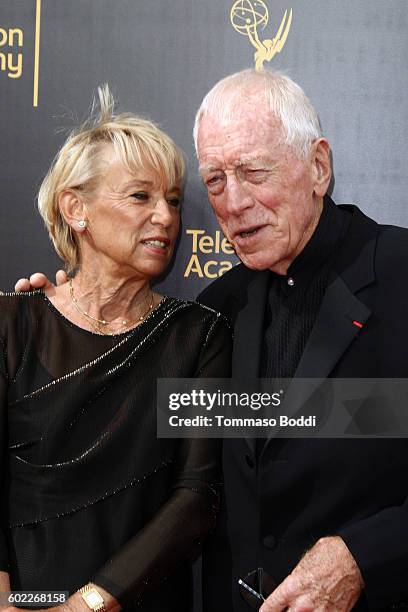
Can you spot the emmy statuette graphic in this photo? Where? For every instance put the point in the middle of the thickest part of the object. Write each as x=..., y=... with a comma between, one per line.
x=249, y=15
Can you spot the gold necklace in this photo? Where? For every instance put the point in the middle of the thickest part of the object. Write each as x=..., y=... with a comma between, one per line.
x=99, y=324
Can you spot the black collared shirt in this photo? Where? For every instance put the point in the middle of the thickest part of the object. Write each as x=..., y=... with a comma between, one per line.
x=294, y=299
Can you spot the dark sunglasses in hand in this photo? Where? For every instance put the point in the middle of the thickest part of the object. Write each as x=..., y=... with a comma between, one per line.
x=256, y=587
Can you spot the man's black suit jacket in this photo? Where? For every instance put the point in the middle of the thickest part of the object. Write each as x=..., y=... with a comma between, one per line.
x=305, y=489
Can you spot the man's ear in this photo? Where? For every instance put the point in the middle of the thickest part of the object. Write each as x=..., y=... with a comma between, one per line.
x=73, y=210
x=321, y=165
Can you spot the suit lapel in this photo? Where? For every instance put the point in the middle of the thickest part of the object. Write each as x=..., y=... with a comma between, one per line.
x=334, y=330
x=341, y=309
x=335, y=327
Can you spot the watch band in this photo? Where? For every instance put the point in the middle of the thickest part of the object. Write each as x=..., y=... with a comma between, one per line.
x=92, y=598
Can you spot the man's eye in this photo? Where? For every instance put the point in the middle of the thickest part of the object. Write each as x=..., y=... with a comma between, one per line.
x=140, y=195
x=174, y=201
x=256, y=173
x=215, y=183
x=213, y=180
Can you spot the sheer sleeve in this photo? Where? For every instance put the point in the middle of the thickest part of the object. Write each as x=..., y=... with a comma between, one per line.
x=4, y=565
x=177, y=530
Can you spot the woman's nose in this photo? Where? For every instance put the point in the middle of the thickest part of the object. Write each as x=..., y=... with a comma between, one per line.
x=162, y=213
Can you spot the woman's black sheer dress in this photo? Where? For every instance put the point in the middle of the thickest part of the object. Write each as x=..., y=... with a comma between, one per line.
x=89, y=492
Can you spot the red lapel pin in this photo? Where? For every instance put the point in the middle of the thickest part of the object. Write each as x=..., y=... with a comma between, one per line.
x=358, y=324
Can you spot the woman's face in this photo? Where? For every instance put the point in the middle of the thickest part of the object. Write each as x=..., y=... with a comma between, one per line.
x=132, y=220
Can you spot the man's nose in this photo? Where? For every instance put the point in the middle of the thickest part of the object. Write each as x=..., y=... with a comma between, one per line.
x=238, y=198
x=161, y=213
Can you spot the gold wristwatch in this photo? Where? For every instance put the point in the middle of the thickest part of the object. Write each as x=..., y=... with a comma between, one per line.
x=92, y=598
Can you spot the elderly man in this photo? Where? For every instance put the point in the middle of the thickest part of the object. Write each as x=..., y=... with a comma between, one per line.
x=319, y=293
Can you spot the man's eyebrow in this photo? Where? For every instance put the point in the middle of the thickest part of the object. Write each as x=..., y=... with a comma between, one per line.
x=250, y=159
x=208, y=168
x=244, y=160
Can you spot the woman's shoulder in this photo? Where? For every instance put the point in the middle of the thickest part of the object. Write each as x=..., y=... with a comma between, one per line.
x=16, y=310
x=11, y=300
x=13, y=305
x=194, y=313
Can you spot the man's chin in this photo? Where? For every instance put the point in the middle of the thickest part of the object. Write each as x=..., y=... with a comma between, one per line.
x=255, y=261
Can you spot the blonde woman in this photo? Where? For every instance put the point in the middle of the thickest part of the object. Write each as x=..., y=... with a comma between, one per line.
x=92, y=499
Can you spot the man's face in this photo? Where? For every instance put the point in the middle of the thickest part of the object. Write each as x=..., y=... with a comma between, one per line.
x=263, y=196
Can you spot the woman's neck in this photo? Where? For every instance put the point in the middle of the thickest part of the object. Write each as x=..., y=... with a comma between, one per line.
x=102, y=300
x=110, y=297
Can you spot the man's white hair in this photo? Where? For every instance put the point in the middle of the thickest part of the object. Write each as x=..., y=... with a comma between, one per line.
x=285, y=99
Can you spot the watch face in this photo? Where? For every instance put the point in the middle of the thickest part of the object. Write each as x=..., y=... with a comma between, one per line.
x=93, y=599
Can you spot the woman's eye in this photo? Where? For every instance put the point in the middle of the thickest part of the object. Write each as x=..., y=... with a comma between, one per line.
x=140, y=195
x=174, y=201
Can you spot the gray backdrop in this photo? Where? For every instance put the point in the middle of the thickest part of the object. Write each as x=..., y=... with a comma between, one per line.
x=160, y=58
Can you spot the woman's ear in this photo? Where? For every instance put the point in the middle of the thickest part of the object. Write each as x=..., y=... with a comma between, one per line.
x=322, y=166
x=73, y=210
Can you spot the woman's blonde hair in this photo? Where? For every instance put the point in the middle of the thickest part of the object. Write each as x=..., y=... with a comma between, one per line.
x=138, y=142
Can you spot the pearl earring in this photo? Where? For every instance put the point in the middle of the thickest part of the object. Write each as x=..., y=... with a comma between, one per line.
x=82, y=223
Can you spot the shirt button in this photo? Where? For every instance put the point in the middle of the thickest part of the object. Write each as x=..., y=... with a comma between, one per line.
x=291, y=281
x=250, y=461
x=269, y=541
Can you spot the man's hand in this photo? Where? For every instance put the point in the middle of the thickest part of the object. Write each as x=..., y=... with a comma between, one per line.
x=39, y=281
x=326, y=579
